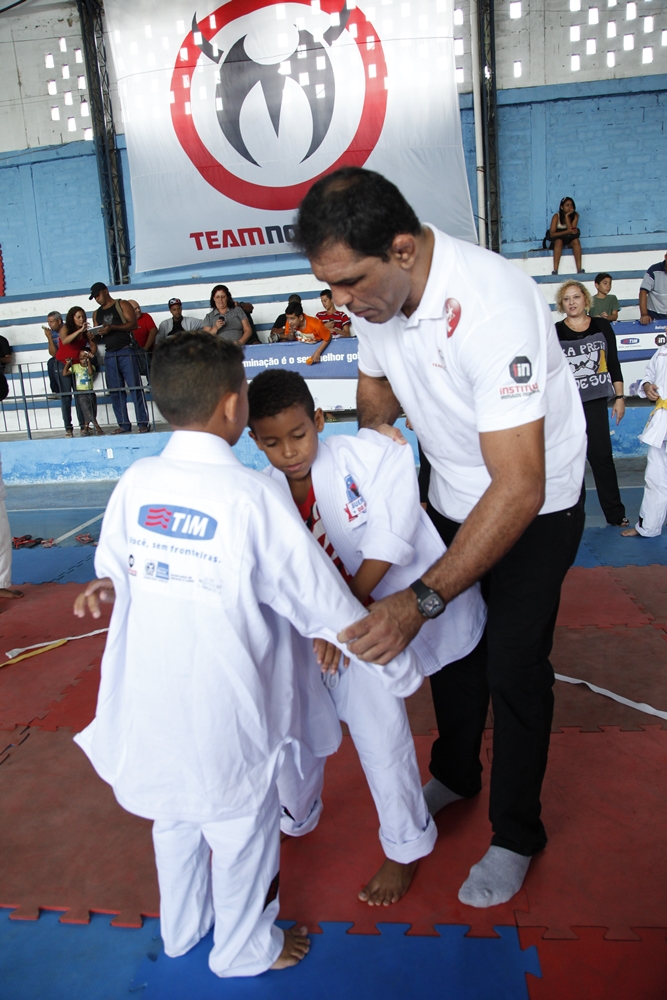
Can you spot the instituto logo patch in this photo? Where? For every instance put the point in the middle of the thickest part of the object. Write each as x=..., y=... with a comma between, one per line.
x=521, y=369
x=177, y=522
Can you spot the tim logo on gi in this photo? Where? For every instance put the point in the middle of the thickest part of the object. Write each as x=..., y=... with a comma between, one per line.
x=177, y=522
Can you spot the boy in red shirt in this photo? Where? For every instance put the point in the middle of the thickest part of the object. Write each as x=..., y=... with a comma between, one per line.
x=335, y=320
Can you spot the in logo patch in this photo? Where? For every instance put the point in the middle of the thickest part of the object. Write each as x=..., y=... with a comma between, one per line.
x=661, y=340
x=521, y=369
x=177, y=522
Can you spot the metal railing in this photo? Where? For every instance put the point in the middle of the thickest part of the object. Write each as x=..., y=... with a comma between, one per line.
x=33, y=408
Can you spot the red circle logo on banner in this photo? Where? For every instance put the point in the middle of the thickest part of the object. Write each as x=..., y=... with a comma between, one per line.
x=288, y=197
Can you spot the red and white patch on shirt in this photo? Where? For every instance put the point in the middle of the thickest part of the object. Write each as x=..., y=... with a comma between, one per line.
x=453, y=308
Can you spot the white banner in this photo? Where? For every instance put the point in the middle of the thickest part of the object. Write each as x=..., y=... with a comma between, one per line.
x=230, y=114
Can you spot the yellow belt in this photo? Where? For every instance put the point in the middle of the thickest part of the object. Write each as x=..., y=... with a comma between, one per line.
x=660, y=405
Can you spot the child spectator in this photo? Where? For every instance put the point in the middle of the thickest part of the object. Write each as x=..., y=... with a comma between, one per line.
x=84, y=374
x=335, y=320
x=278, y=329
x=74, y=337
x=359, y=498
x=653, y=510
x=308, y=329
x=603, y=302
x=195, y=712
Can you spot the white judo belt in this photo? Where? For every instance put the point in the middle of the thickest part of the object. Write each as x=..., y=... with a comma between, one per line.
x=640, y=706
x=24, y=652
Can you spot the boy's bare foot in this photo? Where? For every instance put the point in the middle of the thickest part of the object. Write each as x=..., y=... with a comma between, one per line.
x=12, y=595
x=296, y=947
x=630, y=532
x=390, y=884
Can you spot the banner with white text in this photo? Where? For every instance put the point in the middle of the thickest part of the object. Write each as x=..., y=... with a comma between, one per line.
x=231, y=113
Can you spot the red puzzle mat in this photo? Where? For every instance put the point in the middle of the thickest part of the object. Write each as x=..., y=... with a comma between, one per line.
x=28, y=688
x=66, y=844
x=594, y=597
x=648, y=584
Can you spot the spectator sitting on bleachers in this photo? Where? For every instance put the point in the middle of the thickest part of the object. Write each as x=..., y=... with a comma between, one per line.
x=54, y=321
x=177, y=323
x=248, y=309
x=564, y=232
x=278, y=328
x=308, y=329
x=653, y=293
x=335, y=320
x=145, y=331
x=603, y=302
x=6, y=352
x=226, y=319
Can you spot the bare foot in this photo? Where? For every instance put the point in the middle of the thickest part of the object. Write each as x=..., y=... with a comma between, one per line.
x=390, y=884
x=629, y=533
x=10, y=594
x=296, y=947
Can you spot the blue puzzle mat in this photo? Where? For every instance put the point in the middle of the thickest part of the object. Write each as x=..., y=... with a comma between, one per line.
x=46, y=960
x=342, y=966
x=67, y=565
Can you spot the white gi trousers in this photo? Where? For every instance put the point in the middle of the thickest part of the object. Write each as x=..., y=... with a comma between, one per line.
x=219, y=874
x=653, y=510
x=379, y=727
x=5, y=548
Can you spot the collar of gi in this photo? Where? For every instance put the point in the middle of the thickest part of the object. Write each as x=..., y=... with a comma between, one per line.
x=199, y=446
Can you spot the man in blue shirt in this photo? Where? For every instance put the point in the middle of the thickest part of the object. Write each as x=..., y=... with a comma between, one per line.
x=653, y=293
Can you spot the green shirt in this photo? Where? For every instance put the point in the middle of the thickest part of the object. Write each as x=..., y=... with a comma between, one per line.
x=609, y=304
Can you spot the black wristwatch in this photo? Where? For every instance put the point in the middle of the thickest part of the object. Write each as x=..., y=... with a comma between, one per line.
x=429, y=602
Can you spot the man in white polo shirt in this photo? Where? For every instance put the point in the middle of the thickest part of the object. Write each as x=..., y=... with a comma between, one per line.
x=466, y=342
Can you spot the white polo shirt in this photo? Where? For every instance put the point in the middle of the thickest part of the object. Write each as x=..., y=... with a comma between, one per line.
x=479, y=354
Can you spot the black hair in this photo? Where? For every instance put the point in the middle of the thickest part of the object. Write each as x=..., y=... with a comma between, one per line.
x=294, y=297
x=69, y=319
x=191, y=372
x=359, y=208
x=222, y=288
x=561, y=210
x=294, y=308
x=272, y=392
x=601, y=276
x=326, y=291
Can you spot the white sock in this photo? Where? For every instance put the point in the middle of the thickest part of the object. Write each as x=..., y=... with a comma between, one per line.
x=438, y=795
x=494, y=879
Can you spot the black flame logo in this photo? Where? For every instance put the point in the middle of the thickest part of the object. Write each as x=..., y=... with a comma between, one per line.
x=238, y=74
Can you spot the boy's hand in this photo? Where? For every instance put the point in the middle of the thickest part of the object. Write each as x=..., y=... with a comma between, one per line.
x=96, y=591
x=328, y=656
x=651, y=391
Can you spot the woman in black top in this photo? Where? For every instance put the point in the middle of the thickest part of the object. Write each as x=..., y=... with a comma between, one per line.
x=589, y=344
x=564, y=232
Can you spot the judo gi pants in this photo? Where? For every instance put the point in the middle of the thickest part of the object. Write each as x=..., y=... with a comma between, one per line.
x=599, y=455
x=5, y=548
x=379, y=727
x=222, y=875
x=653, y=510
x=511, y=664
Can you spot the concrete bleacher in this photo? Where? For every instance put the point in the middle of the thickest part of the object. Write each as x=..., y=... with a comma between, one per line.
x=22, y=318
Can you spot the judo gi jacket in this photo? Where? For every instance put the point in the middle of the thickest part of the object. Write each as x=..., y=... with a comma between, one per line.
x=368, y=498
x=196, y=701
x=655, y=430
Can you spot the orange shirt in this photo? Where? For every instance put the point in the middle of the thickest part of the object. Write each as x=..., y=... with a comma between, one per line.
x=313, y=331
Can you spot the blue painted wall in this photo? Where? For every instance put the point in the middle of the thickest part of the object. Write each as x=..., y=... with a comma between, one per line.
x=602, y=142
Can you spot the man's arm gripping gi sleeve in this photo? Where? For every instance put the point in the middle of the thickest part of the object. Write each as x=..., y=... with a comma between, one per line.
x=295, y=577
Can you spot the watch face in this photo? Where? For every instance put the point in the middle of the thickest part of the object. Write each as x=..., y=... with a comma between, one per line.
x=432, y=605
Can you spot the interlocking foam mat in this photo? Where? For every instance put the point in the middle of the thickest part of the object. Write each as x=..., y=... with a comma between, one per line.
x=344, y=965
x=594, y=903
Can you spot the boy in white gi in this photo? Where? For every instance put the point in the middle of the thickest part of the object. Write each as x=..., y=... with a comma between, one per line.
x=653, y=510
x=359, y=497
x=197, y=699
